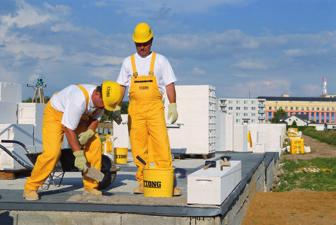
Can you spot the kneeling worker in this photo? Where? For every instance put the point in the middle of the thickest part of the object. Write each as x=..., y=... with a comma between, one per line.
x=73, y=111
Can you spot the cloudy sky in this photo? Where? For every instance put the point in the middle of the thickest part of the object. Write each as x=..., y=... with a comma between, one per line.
x=261, y=47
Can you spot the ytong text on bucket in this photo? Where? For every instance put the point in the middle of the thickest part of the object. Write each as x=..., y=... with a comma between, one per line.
x=152, y=184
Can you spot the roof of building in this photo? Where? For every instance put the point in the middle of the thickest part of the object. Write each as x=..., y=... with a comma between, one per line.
x=303, y=99
x=301, y=117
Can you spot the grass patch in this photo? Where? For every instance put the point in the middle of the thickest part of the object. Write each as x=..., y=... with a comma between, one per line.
x=328, y=136
x=318, y=174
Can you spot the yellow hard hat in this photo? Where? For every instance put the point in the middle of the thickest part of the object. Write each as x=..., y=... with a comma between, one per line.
x=112, y=94
x=142, y=33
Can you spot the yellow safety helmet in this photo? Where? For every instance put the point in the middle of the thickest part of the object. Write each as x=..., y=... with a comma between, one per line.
x=142, y=33
x=112, y=94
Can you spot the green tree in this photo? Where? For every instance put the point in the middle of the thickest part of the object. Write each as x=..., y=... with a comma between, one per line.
x=294, y=125
x=279, y=115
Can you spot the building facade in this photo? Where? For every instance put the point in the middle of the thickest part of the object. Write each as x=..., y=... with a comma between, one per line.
x=318, y=109
x=250, y=110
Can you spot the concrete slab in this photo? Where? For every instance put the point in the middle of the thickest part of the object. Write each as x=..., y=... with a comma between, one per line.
x=119, y=201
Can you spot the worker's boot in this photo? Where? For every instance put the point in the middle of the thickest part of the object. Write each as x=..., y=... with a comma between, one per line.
x=30, y=195
x=139, y=189
x=177, y=191
x=95, y=192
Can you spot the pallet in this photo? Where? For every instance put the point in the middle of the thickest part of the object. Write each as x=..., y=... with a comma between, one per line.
x=13, y=174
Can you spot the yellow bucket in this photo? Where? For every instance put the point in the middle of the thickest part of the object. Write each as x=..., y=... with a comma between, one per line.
x=120, y=155
x=158, y=182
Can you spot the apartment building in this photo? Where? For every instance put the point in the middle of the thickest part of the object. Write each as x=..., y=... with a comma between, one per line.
x=250, y=110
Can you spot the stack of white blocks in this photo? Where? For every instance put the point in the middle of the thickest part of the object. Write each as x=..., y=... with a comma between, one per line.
x=18, y=121
x=120, y=133
x=213, y=185
x=196, y=106
x=224, y=131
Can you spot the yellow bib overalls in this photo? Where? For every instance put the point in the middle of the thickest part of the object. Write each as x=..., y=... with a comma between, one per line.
x=52, y=139
x=147, y=125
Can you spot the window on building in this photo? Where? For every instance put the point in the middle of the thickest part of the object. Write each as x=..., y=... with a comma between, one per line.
x=230, y=101
x=317, y=108
x=313, y=108
x=245, y=102
x=317, y=116
x=252, y=102
x=269, y=115
x=245, y=108
x=230, y=108
x=322, y=108
x=253, y=108
x=237, y=108
x=252, y=121
x=302, y=108
x=296, y=108
x=237, y=120
x=245, y=114
x=307, y=108
x=333, y=117
x=237, y=114
x=286, y=108
x=253, y=114
x=237, y=101
x=312, y=116
x=270, y=108
x=291, y=108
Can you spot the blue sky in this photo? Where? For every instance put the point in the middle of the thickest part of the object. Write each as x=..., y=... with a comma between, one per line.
x=265, y=47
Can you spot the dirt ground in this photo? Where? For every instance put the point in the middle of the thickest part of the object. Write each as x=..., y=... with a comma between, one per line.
x=298, y=207
x=292, y=208
x=318, y=149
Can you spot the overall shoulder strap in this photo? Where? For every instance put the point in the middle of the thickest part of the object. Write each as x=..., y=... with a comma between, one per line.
x=135, y=72
x=151, y=69
x=86, y=94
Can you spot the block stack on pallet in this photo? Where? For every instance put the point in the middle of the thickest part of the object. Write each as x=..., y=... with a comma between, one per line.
x=196, y=106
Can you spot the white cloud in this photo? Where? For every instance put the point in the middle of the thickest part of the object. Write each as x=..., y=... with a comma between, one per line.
x=198, y=71
x=147, y=7
x=105, y=73
x=256, y=88
x=64, y=27
x=249, y=64
x=25, y=16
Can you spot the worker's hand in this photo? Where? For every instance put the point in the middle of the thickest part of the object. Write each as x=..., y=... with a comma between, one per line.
x=85, y=136
x=172, y=113
x=116, y=115
x=80, y=160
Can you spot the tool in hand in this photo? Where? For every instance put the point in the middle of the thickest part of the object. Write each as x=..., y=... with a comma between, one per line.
x=93, y=173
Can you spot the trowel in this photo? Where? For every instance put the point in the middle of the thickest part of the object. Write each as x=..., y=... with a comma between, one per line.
x=93, y=173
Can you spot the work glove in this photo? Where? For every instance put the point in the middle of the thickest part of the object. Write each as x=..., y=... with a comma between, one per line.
x=80, y=160
x=172, y=113
x=85, y=136
x=116, y=115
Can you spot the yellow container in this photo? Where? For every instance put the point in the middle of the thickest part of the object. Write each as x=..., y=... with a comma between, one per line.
x=108, y=145
x=158, y=182
x=120, y=155
x=292, y=132
x=296, y=145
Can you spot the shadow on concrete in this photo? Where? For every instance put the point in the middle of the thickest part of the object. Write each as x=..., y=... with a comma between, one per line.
x=6, y=219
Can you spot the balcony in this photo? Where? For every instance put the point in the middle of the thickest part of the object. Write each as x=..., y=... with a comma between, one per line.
x=261, y=105
x=260, y=111
x=261, y=117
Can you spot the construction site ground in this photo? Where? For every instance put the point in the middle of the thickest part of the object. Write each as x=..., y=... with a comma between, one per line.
x=299, y=206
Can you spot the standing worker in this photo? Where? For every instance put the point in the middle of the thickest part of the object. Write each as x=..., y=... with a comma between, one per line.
x=149, y=75
x=73, y=111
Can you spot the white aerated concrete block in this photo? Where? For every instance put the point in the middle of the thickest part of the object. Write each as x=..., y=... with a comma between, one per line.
x=32, y=113
x=8, y=112
x=212, y=186
x=120, y=133
x=10, y=92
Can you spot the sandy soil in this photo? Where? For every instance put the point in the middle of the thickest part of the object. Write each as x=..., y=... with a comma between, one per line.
x=292, y=208
x=318, y=149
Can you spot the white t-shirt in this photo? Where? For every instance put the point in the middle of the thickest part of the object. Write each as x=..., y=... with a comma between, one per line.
x=162, y=70
x=71, y=101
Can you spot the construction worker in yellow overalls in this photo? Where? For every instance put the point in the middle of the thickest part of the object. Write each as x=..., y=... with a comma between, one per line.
x=149, y=75
x=75, y=112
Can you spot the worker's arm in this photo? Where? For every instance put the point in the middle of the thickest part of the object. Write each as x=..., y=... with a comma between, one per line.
x=72, y=139
x=116, y=114
x=80, y=160
x=171, y=93
x=93, y=125
x=172, y=108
